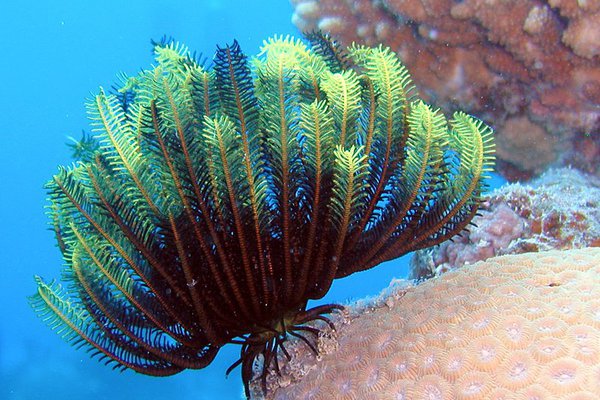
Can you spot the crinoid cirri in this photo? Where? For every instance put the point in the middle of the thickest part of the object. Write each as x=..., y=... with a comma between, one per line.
x=213, y=203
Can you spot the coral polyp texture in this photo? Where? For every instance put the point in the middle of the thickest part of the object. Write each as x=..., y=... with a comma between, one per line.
x=212, y=204
x=515, y=327
x=531, y=67
x=558, y=210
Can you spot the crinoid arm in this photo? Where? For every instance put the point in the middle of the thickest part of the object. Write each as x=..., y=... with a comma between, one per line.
x=212, y=204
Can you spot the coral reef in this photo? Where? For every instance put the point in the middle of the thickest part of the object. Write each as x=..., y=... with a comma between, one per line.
x=558, y=210
x=513, y=327
x=212, y=204
x=531, y=67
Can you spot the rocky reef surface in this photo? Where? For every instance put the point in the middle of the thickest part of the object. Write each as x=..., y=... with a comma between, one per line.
x=558, y=210
x=530, y=68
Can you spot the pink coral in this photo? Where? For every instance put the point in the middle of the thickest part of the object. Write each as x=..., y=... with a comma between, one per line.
x=558, y=210
x=512, y=327
x=530, y=67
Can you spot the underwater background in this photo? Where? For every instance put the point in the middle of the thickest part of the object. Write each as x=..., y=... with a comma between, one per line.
x=55, y=55
x=529, y=69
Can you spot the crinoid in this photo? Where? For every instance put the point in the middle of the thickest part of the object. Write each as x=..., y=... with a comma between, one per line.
x=219, y=200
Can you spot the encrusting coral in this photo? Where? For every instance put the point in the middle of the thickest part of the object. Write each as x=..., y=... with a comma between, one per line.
x=212, y=204
x=514, y=327
x=559, y=210
x=531, y=67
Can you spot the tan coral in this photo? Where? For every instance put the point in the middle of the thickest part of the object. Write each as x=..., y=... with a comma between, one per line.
x=521, y=354
x=504, y=60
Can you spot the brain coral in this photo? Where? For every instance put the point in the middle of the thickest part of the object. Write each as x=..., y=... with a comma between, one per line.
x=515, y=327
x=532, y=67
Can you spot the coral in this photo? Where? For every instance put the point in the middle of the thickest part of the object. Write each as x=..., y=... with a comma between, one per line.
x=213, y=204
x=525, y=144
x=531, y=67
x=507, y=328
x=558, y=210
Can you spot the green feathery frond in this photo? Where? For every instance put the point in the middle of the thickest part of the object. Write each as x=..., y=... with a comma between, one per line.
x=347, y=193
x=318, y=147
x=278, y=87
x=343, y=96
x=472, y=158
x=68, y=319
x=212, y=204
x=309, y=66
x=389, y=92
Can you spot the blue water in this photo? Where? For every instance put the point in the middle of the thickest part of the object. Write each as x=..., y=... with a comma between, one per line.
x=53, y=56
